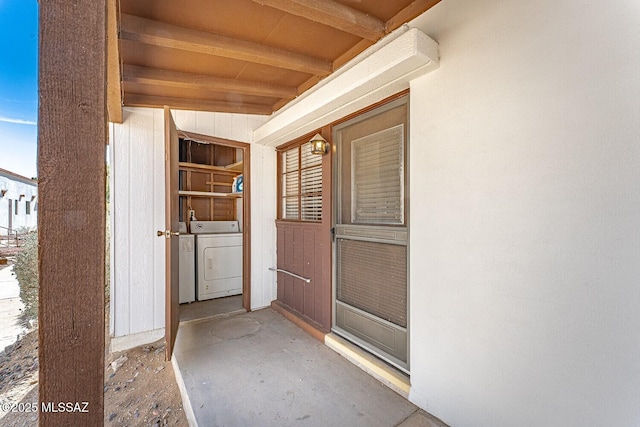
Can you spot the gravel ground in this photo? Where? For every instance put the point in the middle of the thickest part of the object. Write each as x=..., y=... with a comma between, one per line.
x=140, y=391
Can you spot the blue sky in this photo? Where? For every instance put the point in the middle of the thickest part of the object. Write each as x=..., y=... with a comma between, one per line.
x=18, y=86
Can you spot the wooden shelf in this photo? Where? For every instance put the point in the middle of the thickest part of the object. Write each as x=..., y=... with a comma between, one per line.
x=206, y=175
x=207, y=194
x=236, y=167
x=208, y=168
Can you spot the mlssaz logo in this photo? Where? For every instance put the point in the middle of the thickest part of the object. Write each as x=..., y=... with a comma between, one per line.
x=65, y=407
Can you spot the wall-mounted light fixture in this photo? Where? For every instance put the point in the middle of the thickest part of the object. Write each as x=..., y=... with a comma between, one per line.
x=22, y=196
x=33, y=198
x=3, y=192
x=319, y=145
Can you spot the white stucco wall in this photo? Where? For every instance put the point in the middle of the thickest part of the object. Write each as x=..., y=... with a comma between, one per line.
x=137, y=191
x=382, y=70
x=15, y=187
x=525, y=215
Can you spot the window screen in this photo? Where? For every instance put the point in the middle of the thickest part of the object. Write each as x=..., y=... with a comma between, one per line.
x=373, y=277
x=301, y=190
x=378, y=178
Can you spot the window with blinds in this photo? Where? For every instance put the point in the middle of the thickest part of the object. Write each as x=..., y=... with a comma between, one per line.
x=301, y=190
x=377, y=177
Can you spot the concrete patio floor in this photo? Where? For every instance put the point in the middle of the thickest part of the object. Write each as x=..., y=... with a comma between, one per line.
x=259, y=369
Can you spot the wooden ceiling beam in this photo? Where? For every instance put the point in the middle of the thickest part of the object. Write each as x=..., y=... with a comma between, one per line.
x=333, y=14
x=415, y=9
x=157, y=33
x=166, y=78
x=137, y=100
x=339, y=62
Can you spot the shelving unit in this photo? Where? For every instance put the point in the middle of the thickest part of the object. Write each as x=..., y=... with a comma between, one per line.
x=208, y=194
x=233, y=169
x=206, y=178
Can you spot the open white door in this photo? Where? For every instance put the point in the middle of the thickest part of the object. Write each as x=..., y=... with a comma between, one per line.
x=170, y=233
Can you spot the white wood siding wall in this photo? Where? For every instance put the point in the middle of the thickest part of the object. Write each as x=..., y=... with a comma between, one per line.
x=263, y=215
x=137, y=199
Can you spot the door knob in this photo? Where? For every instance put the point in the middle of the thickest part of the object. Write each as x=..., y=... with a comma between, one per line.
x=167, y=233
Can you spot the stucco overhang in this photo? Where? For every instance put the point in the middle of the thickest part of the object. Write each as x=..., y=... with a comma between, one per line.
x=382, y=70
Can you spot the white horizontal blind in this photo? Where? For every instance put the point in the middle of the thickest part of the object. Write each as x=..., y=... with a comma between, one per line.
x=301, y=184
x=290, y=183
x=377, y=177
x=373, y=277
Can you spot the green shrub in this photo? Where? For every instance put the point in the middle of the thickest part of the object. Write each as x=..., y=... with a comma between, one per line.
x=26, y=269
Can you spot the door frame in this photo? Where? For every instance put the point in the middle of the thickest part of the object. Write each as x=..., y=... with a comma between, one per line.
x=246, y=204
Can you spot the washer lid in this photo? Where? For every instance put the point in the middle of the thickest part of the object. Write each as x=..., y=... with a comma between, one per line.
x=214, y=227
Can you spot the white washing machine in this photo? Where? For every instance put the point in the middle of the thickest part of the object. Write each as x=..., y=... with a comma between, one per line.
x=218, y=259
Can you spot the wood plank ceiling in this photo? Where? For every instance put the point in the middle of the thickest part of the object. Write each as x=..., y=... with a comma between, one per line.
x=243, y=56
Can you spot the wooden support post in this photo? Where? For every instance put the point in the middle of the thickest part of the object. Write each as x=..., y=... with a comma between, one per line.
x=72, y=133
